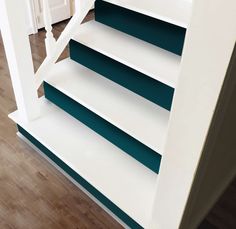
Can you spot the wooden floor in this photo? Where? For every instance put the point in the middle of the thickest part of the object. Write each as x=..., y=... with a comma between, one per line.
x=34, y=195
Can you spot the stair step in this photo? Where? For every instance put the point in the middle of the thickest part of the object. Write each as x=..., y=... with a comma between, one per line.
x=134, y=124
x=148, y=59
x=176, y=12
x=119, y=182
x=165, y=27
x=99, y=54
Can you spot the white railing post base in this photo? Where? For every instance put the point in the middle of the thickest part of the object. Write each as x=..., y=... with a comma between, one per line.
x=17, y=48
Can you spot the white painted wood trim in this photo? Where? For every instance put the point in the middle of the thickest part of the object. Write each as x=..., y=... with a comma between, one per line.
x=217, y=165
x=33, y=28
x=60, y=10
x=18, y=52
x=62, y=41
x=50, y=41
x=209, y=44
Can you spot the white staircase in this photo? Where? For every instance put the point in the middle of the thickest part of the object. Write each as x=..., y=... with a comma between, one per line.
x=133, y=192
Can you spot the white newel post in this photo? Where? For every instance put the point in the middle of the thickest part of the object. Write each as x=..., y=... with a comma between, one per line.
x=209, y=45
x=18, y=52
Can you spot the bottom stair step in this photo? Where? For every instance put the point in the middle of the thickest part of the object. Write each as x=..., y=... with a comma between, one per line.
x=118, y=181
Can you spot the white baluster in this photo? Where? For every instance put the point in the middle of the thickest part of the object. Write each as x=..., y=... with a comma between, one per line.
x=50, y=41
x=17, y=48
x=67, y=34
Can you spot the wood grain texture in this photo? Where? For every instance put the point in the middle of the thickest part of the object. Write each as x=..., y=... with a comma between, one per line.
x=34, y=195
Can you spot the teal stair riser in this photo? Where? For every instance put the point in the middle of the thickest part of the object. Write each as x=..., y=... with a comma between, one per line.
x=128, y=144
x=123, y=75
x=98, y=195
x=162, y=34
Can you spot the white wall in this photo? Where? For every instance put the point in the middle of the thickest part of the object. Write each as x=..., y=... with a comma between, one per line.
x=207, y=52
x=30, y=22
x=30, y=19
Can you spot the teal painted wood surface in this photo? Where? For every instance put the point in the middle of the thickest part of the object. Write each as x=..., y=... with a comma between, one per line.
x=123, y=75
x=128, y=144
x=89, y=187
x=162, y=34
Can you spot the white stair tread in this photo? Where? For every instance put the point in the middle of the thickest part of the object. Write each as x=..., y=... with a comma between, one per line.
x=176, y=12
x=144, y=120
x=149, y=59
x=126, y=182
